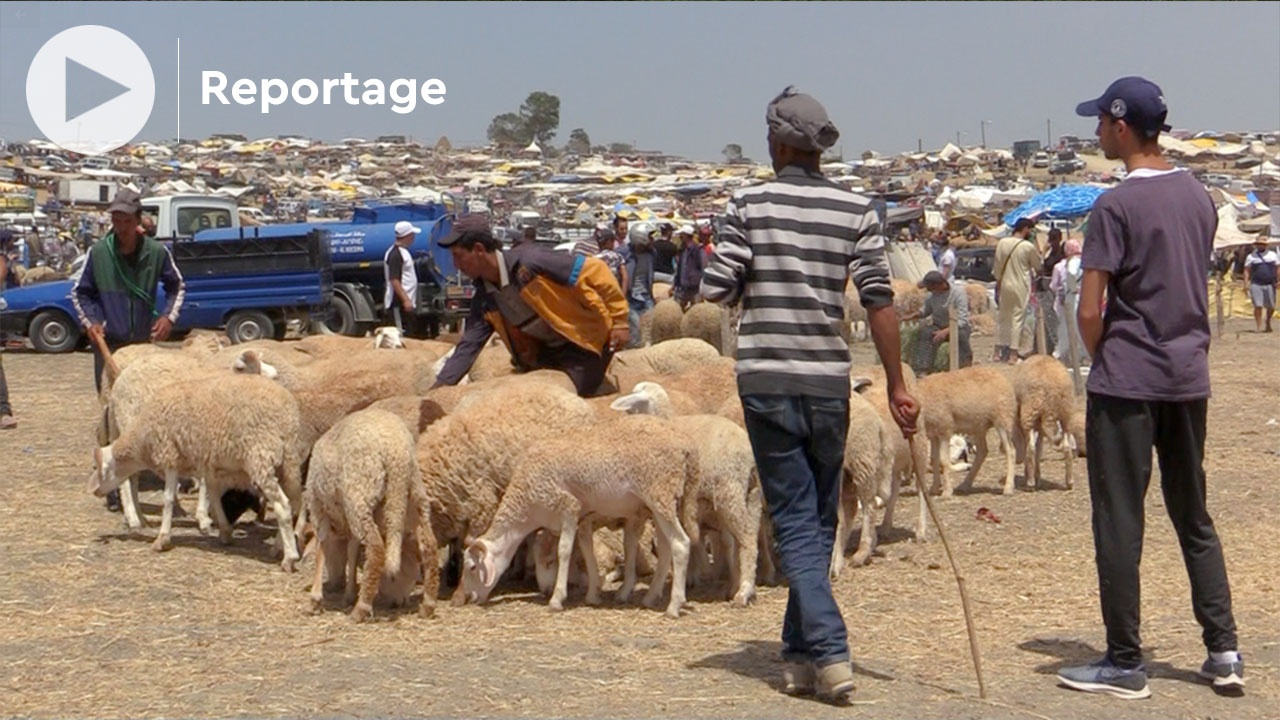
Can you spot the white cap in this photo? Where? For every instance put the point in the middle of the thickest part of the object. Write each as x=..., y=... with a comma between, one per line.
x=404, y=227
x=685, y=230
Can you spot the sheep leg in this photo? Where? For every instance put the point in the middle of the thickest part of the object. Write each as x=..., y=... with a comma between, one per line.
x=843, y=512
x=659, y=581
x=349, y=572
x=1068, y=455
x=564, y=556
x=375, y=557
x=220, y=516
x=586, y=545
x=886, y=522
x=980, y=456
x=166, y=519
x=677, y=556
x=335, y=560
x=1038, y=456
x=867, y=543
x=745, y=549
x=1007, y=446
x=317, y=581
x=429, y=548
x=203, y=520
x=129, y=504
x=284, y=519
x=630, y=549
x=941, y=474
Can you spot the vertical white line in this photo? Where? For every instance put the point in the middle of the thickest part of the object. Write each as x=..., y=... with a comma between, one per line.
x=179, y=67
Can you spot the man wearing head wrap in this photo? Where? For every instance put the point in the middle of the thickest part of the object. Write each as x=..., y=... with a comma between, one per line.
x=786, y=250
x=1065, y=286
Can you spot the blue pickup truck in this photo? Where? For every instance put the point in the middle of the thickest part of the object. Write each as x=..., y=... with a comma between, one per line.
x=252, y=287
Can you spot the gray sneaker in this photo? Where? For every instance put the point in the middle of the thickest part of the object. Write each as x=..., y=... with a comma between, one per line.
x=1104, y=676
x=798, y=678
x=1225, y=676
x=833, y=683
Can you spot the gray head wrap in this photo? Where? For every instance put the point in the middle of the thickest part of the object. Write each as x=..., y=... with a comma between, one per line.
x=800, y=121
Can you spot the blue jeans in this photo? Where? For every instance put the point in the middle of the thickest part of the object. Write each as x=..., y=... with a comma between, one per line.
x=636, y=308
x=798, y=443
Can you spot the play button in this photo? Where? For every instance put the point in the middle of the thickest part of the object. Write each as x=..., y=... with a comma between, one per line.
x=87, y=89
x=90, y=89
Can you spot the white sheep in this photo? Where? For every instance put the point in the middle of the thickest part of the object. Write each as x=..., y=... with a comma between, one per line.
x=467, y=458
x=727, y=498
x=969, y=401
x=707, y=322
x=556, y=484
x=364, y=491
x=665, y=324
x=242, y=431
x=388, y=337
x=867, y=472
x=907, y=456
x=1046, y=405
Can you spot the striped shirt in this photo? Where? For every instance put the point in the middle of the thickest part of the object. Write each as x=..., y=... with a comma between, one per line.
x=786, y=250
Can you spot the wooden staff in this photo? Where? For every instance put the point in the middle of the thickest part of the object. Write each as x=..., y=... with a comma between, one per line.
x=1217, y=296
x=101, y=344
x=953, y=339
x=955, y=568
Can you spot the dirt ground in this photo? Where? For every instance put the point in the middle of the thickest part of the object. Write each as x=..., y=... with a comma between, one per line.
x=94, y=623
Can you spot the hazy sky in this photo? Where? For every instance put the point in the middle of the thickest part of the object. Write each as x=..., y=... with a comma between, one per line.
x=687, y=77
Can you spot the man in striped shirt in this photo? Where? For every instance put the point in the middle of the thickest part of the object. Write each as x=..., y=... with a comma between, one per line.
x=786, y=250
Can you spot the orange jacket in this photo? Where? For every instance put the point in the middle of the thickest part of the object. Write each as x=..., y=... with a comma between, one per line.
x=577, y=296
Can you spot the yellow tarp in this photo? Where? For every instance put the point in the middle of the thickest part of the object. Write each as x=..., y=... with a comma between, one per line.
x=1235, y=301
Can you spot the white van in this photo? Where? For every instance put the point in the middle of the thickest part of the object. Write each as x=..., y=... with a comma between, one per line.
x=97, y=162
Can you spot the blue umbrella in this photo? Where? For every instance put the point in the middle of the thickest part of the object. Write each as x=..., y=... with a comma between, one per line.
x=1064, y=201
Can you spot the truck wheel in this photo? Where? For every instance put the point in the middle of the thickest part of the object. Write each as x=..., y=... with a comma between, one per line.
x=53, y=332
x=342, y=318
x=249, y=325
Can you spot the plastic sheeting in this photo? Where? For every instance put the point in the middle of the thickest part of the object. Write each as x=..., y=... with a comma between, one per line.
x=1065, y=201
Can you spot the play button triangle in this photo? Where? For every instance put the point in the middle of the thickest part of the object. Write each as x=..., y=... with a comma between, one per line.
x=87, y=89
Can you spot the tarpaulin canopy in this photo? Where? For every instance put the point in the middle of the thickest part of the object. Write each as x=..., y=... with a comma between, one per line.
x=1064, y=201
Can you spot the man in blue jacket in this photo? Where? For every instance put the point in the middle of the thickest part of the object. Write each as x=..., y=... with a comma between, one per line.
x=115, y=297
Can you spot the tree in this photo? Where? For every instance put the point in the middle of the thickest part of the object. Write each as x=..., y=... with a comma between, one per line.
x=541, y=116
x=621, y=148
x=508, y=129
x=732, y=153
x=579, y=142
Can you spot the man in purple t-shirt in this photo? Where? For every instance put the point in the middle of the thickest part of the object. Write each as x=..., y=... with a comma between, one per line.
x=1148, y=245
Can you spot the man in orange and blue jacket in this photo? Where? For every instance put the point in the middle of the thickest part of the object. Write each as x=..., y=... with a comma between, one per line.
x=552, y=309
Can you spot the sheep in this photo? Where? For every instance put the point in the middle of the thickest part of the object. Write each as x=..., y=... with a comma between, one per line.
x=728, y=495
x=450, y=396
x=492, y=362
x=703, y=389
x=670, y=357
x=667, y=316
x=907, y=297
x=241, y=431
x=467, y=457
x=364, y=490
x=610, y=551
x=556, y=485
x=388, y=338
x=705, y=321
x=979, y=299
x=416, y=413
x=322, y=347
x=868, y=463
x=907, y=456
x=969, y=401
x=1046, y=404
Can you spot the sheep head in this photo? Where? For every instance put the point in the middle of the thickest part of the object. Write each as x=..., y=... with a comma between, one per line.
x=389, y=338
x=861, y=383
x=479, y=572
x=646, y=398
x=250, y=362
x=104, y=477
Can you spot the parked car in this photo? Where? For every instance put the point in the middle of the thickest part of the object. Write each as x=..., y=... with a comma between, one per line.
x=976, y=264
x=1040, y=160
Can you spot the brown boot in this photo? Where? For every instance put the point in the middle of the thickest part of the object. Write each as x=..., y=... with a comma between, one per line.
x=834, y=682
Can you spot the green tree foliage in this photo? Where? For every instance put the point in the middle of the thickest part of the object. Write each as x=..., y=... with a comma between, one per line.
x=579, y=142
x=508, y=129
x=541, y=115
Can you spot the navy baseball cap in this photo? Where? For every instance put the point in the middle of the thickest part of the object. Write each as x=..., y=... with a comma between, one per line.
x=1137, y=101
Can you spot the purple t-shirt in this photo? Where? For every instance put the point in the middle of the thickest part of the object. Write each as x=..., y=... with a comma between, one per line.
x=1154, y=235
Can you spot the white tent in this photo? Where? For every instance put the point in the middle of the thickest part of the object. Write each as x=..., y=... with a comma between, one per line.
x=1229, y=234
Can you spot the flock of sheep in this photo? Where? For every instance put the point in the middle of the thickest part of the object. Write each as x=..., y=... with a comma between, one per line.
x=356, y=457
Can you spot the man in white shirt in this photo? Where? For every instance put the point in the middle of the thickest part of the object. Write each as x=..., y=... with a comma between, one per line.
x=946, y=258
x=401, y=276
x=1260, y=280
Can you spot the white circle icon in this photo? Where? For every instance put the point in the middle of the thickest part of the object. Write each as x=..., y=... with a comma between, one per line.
x=90, y=89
